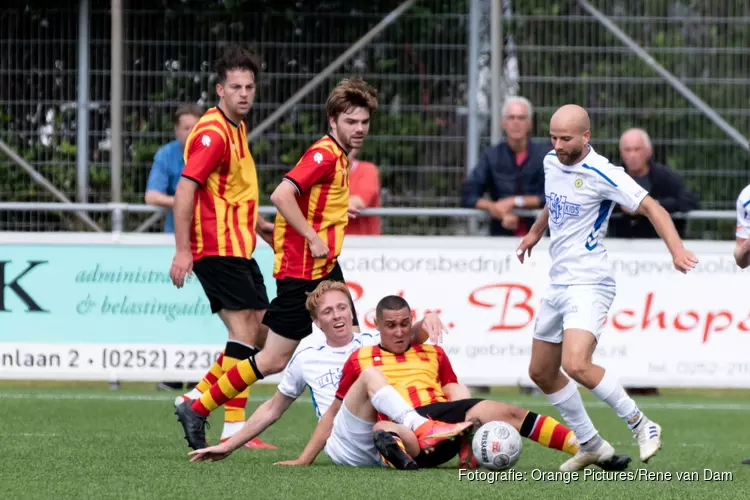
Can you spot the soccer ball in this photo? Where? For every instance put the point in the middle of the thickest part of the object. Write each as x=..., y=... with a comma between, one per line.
x=497, y=445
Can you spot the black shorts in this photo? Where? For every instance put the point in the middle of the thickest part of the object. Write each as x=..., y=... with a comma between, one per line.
x=232, y=283
x=287, y=315
x=451, y=412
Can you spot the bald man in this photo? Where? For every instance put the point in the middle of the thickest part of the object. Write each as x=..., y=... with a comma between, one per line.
x=663, y=184
x=580, y=187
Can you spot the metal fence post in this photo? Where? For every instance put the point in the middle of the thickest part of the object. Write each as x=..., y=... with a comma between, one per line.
x=82, y=112
x=497, y=68
x=116, y=113
x=472, y=115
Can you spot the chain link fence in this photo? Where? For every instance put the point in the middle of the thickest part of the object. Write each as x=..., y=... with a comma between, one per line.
x=555, y=54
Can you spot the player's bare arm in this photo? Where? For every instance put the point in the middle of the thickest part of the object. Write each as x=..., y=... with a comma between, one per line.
x=534, y=235
x=284, y=198
x=319, y=437
x=742, y=252
x=264, y=229
x=683, y=259
x=263, y=418
x=184, y=201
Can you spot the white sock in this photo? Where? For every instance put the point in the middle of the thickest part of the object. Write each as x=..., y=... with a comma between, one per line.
x=570, y=405
x=390, y=403
x=611, y=392
x=193, y=393
x=230, y=429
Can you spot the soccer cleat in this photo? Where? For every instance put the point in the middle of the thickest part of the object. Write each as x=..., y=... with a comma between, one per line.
x=466, y=459
x=193, y=424
x=616, y=463
x=255, y=443
x=433, y=432
x=746, y=462
x=392, y=451
x=648, y=435
x=603, y=454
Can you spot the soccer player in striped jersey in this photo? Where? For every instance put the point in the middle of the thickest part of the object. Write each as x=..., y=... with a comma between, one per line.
x=216, y=219
x=581, y=187
x=313, y=211
x=410, y=384
x=316, y=366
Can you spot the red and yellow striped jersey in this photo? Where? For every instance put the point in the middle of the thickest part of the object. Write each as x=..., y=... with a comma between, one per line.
x=218, y=158
x=321, y=178
x=418, y=374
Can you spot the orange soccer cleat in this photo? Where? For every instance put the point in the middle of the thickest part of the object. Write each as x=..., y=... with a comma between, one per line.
x=466, y=458
x=256, y=443
x=433, y=432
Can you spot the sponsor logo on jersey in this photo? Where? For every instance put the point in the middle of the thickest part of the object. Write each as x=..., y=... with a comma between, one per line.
x=559, y=207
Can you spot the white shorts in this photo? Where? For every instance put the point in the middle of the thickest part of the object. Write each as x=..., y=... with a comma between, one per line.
x=573, y=306
x=351, y=441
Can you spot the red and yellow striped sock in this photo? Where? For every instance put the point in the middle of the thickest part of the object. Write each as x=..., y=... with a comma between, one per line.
x=230, y=385
x=234, y=409
x=212, y=375
x=549, y=432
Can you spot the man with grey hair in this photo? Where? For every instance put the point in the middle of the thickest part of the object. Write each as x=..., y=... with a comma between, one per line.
x=511, y=173
x=662, y=183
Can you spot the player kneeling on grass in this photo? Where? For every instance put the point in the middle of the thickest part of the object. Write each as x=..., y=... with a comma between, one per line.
x=318, y=365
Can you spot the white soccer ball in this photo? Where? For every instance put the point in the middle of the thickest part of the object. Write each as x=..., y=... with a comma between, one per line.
x=497, y=445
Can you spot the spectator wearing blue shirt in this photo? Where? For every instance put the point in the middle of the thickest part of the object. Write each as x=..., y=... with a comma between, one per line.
x=169, y=162
x=511, y=173
x=165, y=174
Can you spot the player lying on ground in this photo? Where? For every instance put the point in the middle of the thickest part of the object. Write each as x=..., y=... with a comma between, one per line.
x=319, y=366
x=220, y=183
x=354, y=434
x=422, y=374
x=581, y=187
x=313, y=211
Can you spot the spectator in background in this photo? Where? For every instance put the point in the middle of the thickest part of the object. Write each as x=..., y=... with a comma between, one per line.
x=169, y=162
x=510, y=172
x=364, y=192
x=165, y=174
x=663, y=184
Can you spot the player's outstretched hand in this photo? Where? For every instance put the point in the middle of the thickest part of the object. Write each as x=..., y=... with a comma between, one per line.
x=292, y=462
x=685, y=261
x=210, y=454
x=434, y=327
x=527, y=243
x=182, y=265
x=318, y=248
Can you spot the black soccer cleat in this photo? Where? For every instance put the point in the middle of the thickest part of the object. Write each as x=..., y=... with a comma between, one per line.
x=390, y=450
x=746, y=462
x=616, y=463
x=193, y=424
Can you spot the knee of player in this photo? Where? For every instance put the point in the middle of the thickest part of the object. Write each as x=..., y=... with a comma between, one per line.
x=373, y=375
x=539, y=375
x=269, y=364
x=576, y=367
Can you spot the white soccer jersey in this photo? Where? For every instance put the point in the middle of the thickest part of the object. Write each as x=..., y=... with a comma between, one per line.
x=580, y=200
x=319, y=368
x=743, y=214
